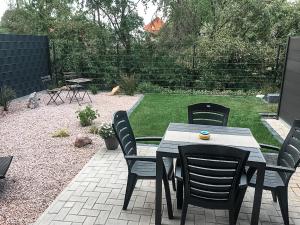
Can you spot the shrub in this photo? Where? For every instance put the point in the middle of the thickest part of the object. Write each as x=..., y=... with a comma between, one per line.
x=106, y=130
x=6, y=95
x=148, y=87
x=94, y=130
x=61, y=133
x=94, y=89
x=128, y=84
x=86, y=116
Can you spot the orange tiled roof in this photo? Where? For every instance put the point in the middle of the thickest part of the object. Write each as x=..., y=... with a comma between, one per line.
x=154, y=26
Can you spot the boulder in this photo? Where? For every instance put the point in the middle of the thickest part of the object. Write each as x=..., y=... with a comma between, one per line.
x=32, y=101
x=81, y=141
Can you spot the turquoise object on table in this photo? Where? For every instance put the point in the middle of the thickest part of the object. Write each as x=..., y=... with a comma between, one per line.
x=204, y=132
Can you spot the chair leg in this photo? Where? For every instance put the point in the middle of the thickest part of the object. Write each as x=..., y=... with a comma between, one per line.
x=239, y=204
x=274, y=196
x=184, y=211
x=282, y=195
x=173, y=182
x=168, y=194
x=131, y=182
x=232, y=220
x=179, y=194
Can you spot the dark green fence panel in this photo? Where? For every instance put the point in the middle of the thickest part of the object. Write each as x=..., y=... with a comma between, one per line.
x=23, y=60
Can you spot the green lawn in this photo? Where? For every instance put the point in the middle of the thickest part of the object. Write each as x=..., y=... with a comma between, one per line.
x=156, y=111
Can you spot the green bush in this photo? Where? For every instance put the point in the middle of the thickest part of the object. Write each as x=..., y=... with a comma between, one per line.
x=6, y=95
x=148, y=87
x=61, y=133
x=94, y=89
x=86, y=116
x=128, y=84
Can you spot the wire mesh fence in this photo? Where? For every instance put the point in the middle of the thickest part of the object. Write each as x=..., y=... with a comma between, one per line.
x=184, y=71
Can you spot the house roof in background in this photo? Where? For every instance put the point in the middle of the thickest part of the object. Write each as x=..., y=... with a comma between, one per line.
x=154, y=26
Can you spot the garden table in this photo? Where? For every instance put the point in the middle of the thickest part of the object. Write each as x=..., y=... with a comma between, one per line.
x=76, y=85
x=183, y=134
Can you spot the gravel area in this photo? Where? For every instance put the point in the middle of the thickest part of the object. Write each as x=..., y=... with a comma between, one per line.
x=43, y=165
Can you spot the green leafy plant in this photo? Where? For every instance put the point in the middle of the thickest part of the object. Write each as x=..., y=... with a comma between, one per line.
x=106, y=130
x=61, y=133
x=94, y=89
x=86, y=116
x=6, y=95
x=128, y=84
x=94, y=130
x=148, y=87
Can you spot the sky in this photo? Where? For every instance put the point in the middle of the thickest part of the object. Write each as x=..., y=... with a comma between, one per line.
x=148, y=15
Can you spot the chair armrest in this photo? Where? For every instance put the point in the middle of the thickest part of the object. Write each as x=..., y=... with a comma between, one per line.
x=148, y=138
x=271, y=147
x=243, y=181
x=141, y=158
x=280, y=168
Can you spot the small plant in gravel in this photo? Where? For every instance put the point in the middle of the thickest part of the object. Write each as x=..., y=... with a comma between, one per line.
x=87, y=115
x=106, y=130
x=6, y=95
x=94, y=130
x=94, y=89
x=61, y=133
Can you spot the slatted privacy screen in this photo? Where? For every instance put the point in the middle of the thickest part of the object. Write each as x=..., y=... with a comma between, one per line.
x=289, y=107
x=23, y=60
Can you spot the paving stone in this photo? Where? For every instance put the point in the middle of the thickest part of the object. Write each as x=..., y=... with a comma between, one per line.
x=96, y=196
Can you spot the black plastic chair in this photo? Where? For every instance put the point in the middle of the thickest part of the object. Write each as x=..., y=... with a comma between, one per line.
x=208, y=114
x=139, y=167
x=213, y=178
x=4, y=165
x=278, y=174
x=203, y=114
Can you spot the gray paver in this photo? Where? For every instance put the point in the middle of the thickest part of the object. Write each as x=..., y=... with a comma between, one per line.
x=96, y=195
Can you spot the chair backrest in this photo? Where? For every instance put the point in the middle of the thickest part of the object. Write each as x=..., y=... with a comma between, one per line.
x=289, y=154
x=211, y=174
x=47, y=81
x=124, y=134
x=208, y=114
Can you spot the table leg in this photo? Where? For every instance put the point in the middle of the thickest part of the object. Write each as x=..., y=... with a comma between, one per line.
x=258, y=195
x=158, y=192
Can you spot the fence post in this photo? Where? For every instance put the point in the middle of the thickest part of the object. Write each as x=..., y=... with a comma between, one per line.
x=277, y=63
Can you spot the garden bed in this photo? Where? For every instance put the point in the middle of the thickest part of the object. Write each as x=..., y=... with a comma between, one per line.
x=42, y=165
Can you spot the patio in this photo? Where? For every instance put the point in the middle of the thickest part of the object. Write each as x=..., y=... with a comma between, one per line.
x=96, y=194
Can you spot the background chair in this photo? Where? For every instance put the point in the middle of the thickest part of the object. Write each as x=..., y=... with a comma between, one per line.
x=203, y=114
x=208, y=114
x=54, y=93
x=139, y=167
x=212, y=178
x=280, y=169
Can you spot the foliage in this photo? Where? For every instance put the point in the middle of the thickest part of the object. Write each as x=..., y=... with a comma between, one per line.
x=106, y=130
x=61, y=133
x=128, y=84
x=205, y=44
x=86, y=116
x=94, y=89
x=148, y=87
x=163, y=109
x=94, y=130
x=6, y=95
